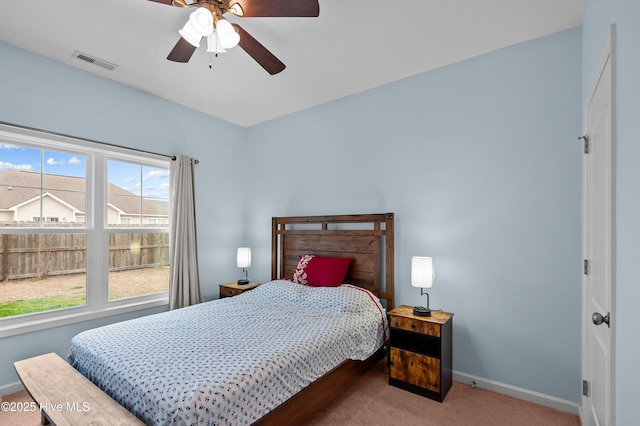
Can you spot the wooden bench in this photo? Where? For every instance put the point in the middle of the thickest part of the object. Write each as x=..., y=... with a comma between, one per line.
x=66, y=397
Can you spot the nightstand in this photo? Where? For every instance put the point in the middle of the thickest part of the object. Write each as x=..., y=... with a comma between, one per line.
x=420, y=352
x=234, y=289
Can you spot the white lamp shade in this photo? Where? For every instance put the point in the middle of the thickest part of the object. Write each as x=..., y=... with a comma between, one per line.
x=244, y=257
x=200, y=24
x=227, y=34
x=187, y=34
x=422, y=272
x=201, y=21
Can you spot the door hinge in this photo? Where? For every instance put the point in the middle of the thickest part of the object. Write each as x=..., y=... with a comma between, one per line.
x=586, y=267
x=585, y=388
x=585, y=138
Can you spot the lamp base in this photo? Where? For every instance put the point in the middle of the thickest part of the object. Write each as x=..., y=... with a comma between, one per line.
x=243, y=281
x=421, y=311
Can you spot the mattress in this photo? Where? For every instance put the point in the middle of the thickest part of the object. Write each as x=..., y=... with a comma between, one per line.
x=233, y=360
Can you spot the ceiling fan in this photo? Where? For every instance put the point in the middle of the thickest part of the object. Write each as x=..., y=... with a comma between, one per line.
x=207, y=21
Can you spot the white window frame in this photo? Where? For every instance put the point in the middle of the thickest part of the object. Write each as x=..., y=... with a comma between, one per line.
x=98, y=304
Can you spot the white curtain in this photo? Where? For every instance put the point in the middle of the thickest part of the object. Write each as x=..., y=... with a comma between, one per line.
x=184, y=285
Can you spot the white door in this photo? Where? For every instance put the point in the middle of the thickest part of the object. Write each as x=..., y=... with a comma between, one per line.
x=598, y=247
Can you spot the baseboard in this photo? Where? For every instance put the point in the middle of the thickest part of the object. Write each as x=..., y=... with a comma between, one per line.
x=11, y=388
x=520, y=393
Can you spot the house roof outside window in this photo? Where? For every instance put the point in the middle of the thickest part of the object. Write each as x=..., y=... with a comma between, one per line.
x=20, y=187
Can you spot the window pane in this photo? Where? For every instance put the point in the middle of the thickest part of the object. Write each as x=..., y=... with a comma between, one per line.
x=138, y=195
x=155, y=183
x=123, y=189
x=19, y=185
x=138, y=264
x=123, y=210
x=19, y=158
x=29, y=198
x=64, y=171
x=63, y=208
x=155, y=212
x=155, y=190
x=124, y=177
x=41, y=272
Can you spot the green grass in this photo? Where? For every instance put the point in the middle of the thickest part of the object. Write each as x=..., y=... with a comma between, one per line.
x=20, y=307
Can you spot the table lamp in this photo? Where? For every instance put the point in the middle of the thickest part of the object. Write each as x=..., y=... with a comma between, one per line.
x=422, y=276
x=244, y=261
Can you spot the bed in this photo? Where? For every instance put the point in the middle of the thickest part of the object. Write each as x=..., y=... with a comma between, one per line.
x=273, y=355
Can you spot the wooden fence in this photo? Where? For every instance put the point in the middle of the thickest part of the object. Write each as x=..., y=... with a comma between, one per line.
x=41, y=255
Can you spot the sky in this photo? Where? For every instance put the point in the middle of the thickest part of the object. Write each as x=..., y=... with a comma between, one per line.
x=150, y=182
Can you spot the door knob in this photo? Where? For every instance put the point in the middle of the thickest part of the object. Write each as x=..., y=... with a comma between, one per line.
x=598, y=319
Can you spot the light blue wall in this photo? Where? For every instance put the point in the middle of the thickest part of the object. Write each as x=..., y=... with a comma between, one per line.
x=36, y=92
x=626, y=15
x=478, y=160
x=481, y=165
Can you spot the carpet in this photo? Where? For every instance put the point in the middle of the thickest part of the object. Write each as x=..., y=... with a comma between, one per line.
x=372, y=401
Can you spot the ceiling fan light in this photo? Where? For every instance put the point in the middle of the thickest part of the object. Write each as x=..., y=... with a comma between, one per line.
x=188, y=34
x=227, y=34
x=201, y=20
x=200, y=24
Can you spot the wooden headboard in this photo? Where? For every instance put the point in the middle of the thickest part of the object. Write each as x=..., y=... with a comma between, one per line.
x=366, y=238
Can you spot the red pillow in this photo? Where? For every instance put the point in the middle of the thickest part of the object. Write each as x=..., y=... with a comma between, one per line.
x=318, y=271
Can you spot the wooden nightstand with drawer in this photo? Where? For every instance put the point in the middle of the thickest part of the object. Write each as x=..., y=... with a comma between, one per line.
x=420, y=352
x=234, y=289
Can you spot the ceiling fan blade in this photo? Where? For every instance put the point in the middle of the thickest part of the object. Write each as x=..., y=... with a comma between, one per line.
x=276, y=8
x=182, y=51
x=257, y=51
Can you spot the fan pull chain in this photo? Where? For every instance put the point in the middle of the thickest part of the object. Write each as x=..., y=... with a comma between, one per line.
x=210, y=59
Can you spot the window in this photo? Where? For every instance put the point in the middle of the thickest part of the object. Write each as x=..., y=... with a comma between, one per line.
x=138, y=261
x=83, y=230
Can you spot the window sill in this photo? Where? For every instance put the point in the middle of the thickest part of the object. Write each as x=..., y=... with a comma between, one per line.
x=36, y=322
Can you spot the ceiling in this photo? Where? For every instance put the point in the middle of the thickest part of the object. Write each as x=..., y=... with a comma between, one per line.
x=353, y=46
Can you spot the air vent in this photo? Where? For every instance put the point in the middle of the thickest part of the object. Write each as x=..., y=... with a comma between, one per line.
x=93, y=60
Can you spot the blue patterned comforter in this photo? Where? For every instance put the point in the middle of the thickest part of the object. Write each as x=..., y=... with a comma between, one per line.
x=230, y=361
